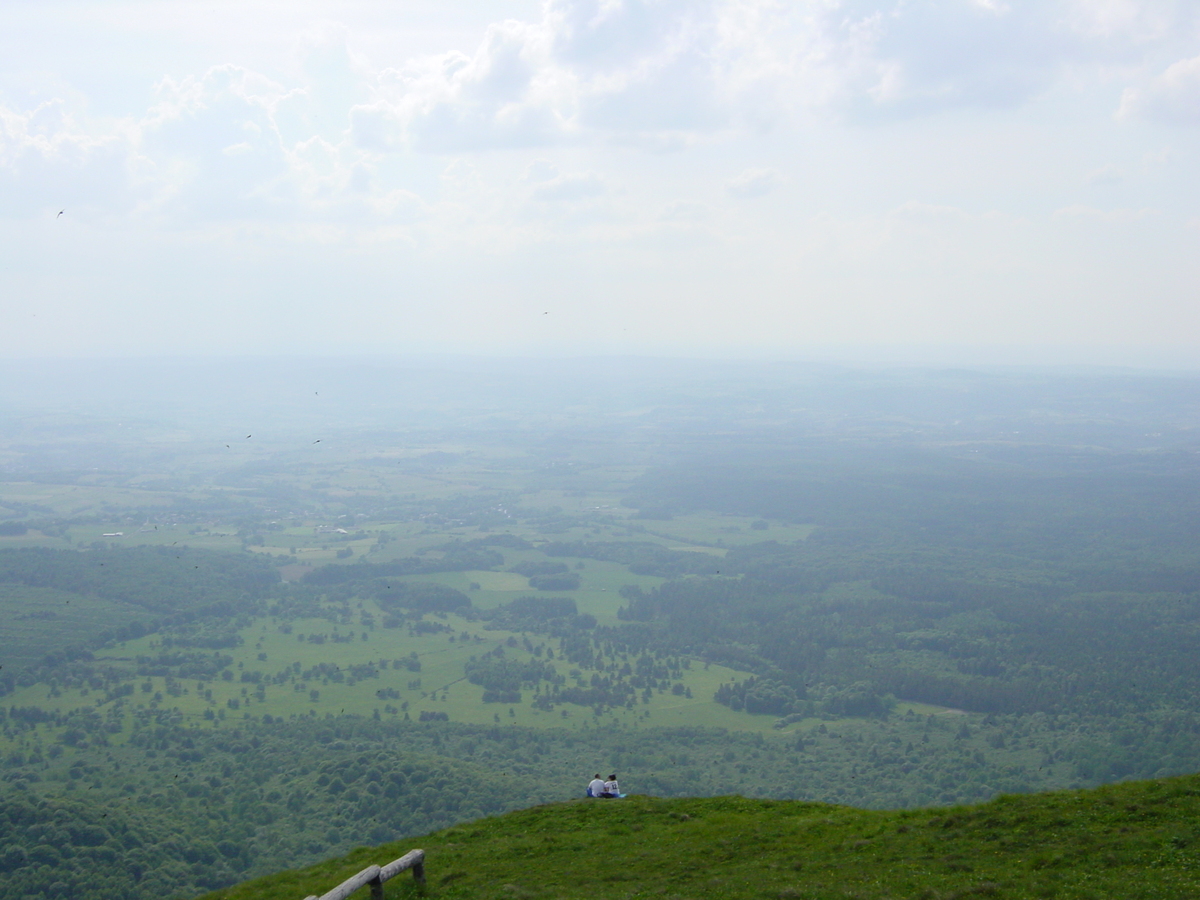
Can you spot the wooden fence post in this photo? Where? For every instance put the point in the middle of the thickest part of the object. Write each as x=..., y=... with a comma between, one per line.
x=375, y=876
x=352, y=884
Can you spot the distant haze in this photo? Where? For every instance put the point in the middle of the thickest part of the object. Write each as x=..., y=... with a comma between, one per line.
x=997, y=181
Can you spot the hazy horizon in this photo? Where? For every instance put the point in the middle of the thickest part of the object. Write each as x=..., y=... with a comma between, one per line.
x=1134, y=360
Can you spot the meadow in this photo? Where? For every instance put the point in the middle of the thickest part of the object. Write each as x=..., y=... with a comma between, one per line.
x=1134, y=841
x=270, y=647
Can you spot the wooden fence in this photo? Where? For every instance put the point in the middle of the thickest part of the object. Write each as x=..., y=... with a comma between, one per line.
x=375, y=876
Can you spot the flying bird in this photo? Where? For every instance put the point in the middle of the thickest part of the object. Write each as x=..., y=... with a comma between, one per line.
x=317, y=441
x=60, y=212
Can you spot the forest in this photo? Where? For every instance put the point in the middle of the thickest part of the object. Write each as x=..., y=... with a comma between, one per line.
x=846, y=591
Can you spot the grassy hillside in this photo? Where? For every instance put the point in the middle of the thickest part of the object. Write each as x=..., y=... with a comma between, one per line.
x=1133, y=840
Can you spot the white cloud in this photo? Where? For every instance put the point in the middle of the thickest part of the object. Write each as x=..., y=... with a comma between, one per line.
x=375, y=128
x=932, y=150
x=654, y=74
x=1106, y=175
x=754, y=183
x=503, y=96
x=1109, y=216
x=213, y=140
x=684, y=211
x=665, y=73
x=585, y=71
x=49, y=159
x=570, y=188
x=1127, y=20
x=1174, y=96
x=225, y=144
x=538, y=171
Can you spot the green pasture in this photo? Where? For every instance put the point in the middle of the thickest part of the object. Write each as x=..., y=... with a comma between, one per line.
x=597, y=594
x=442, y=685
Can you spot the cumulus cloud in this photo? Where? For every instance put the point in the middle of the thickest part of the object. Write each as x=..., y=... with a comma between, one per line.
x=1108, y=216
x=1134, y=20
x=754, y=183
x=500, y=97
x=570, y=188
x=214, y=142
x=664, y=73
x=1174, y=96
x=1106, y=175
x=630, y=70
x=335, y=83
x=653, y=74
x=657, y=73
x=227, y=143
x=49, y=158
x=937, y=55
x=684, y=211
x=538, y=171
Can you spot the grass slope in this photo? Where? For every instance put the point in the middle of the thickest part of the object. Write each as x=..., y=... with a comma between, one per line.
x=1133, y=840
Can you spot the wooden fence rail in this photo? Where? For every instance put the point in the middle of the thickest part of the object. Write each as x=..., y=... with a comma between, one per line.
x=375, y=876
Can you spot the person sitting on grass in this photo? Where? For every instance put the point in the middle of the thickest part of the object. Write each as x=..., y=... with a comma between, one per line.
x=611, y=788
x=596, y=787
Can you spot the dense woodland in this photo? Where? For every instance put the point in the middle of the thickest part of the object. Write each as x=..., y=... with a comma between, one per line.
x=181, y=810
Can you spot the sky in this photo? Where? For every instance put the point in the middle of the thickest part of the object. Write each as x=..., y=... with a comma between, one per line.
x=1010, y=180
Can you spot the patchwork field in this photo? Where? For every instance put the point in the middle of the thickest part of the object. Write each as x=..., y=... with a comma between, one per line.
x=294, y=663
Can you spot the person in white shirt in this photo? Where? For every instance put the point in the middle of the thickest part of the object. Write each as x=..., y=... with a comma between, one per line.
x=596, y=787
x=611, y=788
